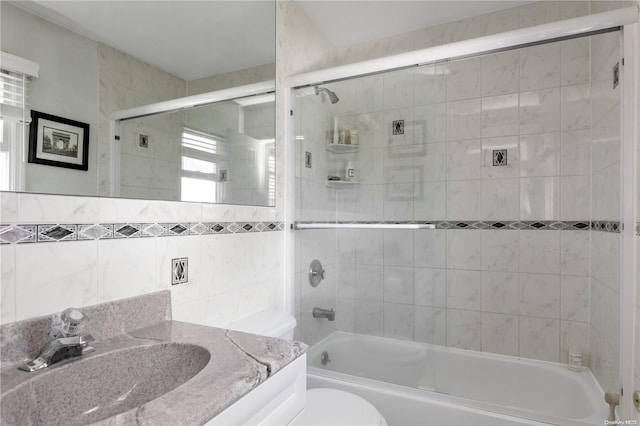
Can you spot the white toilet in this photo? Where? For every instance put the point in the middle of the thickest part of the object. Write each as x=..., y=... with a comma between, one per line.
x=324, y=407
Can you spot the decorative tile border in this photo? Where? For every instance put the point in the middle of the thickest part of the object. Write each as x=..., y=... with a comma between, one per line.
x=43, y=233
x=509, y=225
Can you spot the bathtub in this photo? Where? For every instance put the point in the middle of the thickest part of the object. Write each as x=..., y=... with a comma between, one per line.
x=431, y=378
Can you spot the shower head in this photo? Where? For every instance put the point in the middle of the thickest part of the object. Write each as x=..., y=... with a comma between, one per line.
x=332, y=96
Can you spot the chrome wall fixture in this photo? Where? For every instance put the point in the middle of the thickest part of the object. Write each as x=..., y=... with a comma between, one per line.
x=316, y=273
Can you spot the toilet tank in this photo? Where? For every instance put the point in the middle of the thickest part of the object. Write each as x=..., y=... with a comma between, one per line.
x=270, y=323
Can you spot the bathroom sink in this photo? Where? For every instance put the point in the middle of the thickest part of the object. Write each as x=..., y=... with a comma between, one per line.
x=94, y=388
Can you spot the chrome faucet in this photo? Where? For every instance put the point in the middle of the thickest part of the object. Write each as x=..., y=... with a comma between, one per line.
x=66, y=341
x=329, y=314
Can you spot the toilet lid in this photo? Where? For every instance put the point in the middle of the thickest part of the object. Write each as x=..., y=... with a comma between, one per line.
x=332, y=407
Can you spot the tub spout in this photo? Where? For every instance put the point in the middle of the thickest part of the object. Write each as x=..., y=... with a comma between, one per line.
x=329, y=314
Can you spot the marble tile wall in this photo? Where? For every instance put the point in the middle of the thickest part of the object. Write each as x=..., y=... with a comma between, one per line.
x=605, y=192
x=517, y=292
x=126, y=82
x=152, y=172
x=303, y=47
x=232, y=79
x=230, y=275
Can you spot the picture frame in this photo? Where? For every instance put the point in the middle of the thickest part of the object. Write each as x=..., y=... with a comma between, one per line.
x=58, y=141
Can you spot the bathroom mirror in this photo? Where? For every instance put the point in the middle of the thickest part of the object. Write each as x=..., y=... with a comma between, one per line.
x=102, y=56
x=222, y=152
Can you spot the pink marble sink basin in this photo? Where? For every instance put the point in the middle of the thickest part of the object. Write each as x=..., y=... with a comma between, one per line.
x=89, y=390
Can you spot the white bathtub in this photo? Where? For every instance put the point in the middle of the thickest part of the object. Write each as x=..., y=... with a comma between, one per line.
x=528, y=389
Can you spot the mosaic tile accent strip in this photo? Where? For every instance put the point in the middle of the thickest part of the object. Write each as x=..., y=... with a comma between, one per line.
x=508, y=225
x=48, y=233
x=607, y=226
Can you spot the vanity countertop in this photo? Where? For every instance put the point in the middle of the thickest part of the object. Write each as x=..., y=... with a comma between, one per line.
x=238, y=363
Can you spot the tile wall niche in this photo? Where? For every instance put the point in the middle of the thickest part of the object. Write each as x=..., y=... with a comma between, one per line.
x=523, y=291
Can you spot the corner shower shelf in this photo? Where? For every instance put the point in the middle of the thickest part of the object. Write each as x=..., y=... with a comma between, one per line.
x=341, y=148
x=342, y=184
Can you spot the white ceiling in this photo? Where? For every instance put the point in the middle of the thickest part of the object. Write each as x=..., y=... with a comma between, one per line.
x=196, y=39
x=348, y=22
x=189, y=39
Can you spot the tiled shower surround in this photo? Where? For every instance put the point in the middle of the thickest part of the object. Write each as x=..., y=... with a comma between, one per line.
x=524, y=287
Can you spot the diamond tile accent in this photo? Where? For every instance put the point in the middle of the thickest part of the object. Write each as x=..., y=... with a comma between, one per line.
x=178, y=228
x=260, y=227
x=217, y=228
x=538, y=225
x=56, y=232
x=398, y=127
x=479, y=225
x=499, y=157
x=94, y=232
x=498, y=225
x=126, y=230
x=152, y=230
x=580, y=225
x=233, y=227
x=18, y=234
x=247, y=227
x=198, y=229
x=558, y=225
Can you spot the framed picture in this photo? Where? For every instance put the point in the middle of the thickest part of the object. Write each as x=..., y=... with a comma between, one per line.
x=57, y=141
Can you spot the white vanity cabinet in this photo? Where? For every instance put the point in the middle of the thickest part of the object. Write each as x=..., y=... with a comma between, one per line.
x=274, y=402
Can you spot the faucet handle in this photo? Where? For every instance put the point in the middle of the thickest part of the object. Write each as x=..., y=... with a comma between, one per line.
x=69, y=322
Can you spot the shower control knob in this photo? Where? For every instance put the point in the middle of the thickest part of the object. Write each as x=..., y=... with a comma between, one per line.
x=320, y=274
x=316, y=273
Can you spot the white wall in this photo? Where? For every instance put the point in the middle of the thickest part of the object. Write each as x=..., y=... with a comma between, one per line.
x=66, y=88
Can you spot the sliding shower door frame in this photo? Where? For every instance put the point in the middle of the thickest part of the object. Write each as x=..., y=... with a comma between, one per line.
x=624, y=20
